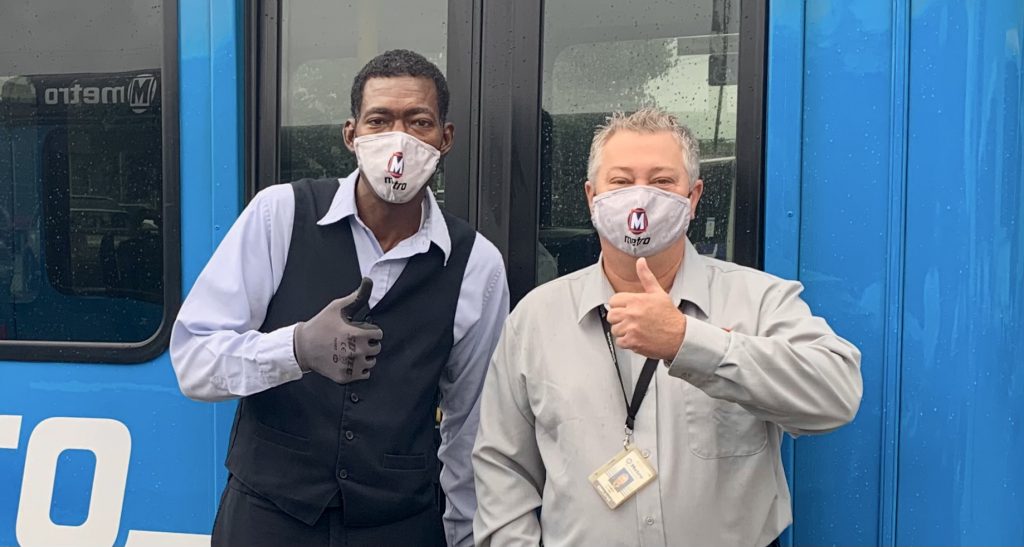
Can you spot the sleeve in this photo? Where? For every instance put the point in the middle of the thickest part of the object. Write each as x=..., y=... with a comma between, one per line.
x=216, y=351
x=796, y=372
x=483, y=306
x=506, y=460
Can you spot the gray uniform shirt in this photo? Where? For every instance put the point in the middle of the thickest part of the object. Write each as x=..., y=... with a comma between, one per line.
x=754, y=363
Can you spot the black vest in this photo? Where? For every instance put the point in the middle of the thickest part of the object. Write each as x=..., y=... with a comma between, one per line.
x=300, y=443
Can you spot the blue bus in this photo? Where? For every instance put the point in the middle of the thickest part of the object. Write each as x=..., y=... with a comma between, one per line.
x=872, y=150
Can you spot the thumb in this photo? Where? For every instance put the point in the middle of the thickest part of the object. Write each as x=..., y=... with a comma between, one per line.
x=360, y=299
x=647, y=279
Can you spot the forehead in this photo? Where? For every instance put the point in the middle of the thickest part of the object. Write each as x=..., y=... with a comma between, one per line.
x=633, y=150
x=399, y=92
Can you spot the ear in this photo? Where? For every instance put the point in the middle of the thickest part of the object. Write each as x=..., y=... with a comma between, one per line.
x=589, y=187
x=447, y=137
x=695, y=193
x=348, y=134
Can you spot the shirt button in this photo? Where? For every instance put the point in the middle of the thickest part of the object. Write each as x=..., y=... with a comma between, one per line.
x=649, y=521
x=349, y=435
x=343, y=474
x=645, y=453
x=354, y=398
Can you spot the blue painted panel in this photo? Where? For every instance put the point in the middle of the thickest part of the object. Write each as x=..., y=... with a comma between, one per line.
x=175, y=457
x=212, y=157
x=783, y=111
x=784, y=127
x=844, y=233
x=962, y=430
x=73, y=484
x=226, y=180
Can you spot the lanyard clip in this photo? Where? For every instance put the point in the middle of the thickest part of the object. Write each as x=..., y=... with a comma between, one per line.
x=628, y=438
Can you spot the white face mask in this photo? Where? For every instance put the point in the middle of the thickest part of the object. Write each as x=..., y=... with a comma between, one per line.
x=396, y=164
x=641, y=220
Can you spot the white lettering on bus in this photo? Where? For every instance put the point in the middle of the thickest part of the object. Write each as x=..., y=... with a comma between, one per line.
x=111, y=444
x=139, y=94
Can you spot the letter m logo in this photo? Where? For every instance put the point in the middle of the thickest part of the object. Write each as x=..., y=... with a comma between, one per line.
x=396, y=165
x=141, y=92
x=637, y=221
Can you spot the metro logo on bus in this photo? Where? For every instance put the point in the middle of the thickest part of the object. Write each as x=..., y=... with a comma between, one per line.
x=140, y=93
x=396, y=165
x=637, y=221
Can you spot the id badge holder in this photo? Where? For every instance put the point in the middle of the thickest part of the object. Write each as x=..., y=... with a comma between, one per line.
x=623, y=476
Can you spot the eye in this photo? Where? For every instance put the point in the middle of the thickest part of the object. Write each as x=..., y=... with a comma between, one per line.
x=618, y=180
x=663, y=181
x=375, y=122
x=423, y=123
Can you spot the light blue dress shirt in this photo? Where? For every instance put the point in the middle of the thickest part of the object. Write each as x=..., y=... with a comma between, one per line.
x=218, y=354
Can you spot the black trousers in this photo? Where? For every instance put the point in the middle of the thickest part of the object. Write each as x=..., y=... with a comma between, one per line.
x=247, y=519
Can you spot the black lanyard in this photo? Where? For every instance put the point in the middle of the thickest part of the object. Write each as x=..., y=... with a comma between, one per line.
x=642, y=383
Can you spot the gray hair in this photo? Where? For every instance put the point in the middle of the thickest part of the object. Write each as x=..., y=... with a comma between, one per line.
x=646, y=120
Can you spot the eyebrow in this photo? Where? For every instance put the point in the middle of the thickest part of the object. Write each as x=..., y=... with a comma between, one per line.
x=629, y=170
x=416, y=110
x=419, y=110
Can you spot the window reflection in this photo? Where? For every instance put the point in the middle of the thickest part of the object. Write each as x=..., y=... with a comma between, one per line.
x=81, y=172
x=324, y=44
x=602, y=56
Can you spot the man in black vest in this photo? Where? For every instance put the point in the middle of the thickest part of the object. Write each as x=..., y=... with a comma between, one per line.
x=337, y=311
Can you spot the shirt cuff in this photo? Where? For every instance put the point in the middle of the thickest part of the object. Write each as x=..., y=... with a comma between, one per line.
x=703, y=350
x=276, y=357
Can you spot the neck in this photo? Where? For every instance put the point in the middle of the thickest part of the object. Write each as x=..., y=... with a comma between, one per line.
x=620, y=268
x=390, y=222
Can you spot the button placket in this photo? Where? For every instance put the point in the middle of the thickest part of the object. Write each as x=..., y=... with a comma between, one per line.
x=648, y=499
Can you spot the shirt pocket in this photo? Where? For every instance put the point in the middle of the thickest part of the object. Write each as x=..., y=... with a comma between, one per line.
x=720, y=429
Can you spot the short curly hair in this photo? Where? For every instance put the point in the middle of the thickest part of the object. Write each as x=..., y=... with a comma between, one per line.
x=400, y=62
x=646, y=120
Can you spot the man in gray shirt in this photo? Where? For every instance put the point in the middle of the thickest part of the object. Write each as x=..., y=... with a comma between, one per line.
x=642, y=400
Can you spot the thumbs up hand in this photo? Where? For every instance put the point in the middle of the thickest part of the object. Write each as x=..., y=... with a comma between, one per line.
x=647, y=323
x=334, y=344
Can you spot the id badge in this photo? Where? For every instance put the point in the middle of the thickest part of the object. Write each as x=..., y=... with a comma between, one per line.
x=623, y=476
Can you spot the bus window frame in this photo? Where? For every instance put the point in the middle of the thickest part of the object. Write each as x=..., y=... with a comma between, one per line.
x=263, y=107
x=123, y=353
x=510, y=170
x=493, y=173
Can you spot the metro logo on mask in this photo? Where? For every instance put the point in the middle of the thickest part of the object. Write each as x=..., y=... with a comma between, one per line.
x=655, y=219
x=396, y=165
x=637, y=221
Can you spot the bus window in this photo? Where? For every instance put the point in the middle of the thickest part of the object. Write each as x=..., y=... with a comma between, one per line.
x=323, y=46
x=604, y=56
x=81, y=173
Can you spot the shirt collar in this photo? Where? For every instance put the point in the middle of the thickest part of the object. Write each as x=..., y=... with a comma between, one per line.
x=432, y=223
x=690, y=285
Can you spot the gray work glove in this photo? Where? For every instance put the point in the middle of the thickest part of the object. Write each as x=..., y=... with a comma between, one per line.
x=336, y=346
